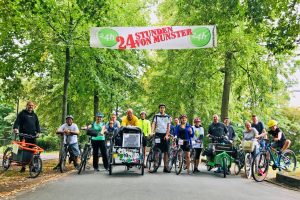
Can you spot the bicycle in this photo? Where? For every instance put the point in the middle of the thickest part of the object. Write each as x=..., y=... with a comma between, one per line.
x=66, y=152
x=154, y=157
x=23, y=153
x=181, y=159
x=240, y=159
x=248, y=148
x=285, y=160
x=87, y=151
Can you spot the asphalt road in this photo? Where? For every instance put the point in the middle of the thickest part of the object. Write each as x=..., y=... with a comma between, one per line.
x=131, y=185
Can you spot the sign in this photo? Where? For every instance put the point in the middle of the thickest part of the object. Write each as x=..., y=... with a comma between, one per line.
x=167, y=37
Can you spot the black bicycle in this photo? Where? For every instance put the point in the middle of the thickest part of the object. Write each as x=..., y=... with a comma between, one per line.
x=154, y=157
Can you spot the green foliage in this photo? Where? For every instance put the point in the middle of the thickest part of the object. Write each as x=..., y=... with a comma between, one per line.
x=49, y=143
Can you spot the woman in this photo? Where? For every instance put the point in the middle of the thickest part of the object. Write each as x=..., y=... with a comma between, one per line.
x=98, y=142
x=198, y=141
x=251, y=134
x=185, y=132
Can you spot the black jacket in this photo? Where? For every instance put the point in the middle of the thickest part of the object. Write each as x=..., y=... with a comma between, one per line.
x=27, y=123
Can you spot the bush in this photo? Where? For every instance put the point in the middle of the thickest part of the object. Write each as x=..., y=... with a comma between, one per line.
x=49, y=143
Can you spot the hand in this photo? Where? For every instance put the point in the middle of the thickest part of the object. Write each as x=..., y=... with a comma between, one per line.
x=167, y=137
x=38, y=135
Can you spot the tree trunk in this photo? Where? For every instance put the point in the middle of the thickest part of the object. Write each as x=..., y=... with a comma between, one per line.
x=66, y=83
x=96, y=102
x=227, y=85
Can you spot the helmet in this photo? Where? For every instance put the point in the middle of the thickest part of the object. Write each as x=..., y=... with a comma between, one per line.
x=197, y=120
x=143, y=112
x=69, y=116
x=272, y=123
x=99, y=114
x=183, y=115
x=162, y=104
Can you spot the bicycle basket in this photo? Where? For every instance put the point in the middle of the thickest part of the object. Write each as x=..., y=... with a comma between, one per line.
x=248, y=146
x=91, y=132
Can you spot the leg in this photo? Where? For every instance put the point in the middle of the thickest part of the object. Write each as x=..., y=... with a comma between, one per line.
x=104, y=154
x=95, y=146
x=187, y=159
x=286, y=145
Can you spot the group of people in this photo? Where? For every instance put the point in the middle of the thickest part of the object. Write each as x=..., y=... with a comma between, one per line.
x=161, y=127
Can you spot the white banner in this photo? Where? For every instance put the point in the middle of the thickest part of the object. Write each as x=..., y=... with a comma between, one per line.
x=167, y=37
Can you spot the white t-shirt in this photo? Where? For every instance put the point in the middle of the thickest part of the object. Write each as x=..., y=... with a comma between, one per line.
x=198, y=131
x=250, y=135
x=161, y=122
x=71, y=138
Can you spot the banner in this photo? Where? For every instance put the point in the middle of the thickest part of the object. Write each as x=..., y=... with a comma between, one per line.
x=167, y=37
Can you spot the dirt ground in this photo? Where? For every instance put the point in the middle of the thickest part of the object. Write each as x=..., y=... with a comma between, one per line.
x=12, y=181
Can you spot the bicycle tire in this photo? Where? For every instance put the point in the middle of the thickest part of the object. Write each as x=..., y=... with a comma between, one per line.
x=288, y=160
x=155, y=160
x=35, y=166
x=83, y=161
x=172, y=157
x=247, y=165
x=179, y=161
x=260, y=166
x=7, y=158
x=62, y=161
x=192, y=160
x=224, y=166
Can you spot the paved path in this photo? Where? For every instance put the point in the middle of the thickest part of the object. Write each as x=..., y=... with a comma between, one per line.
x=160, y=186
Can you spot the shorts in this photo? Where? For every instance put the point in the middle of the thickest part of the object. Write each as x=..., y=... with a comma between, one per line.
x=164, y=144
x=186, y=146
x=278, y=145
x=145, y=140
x=198, y=152
x=74, y=148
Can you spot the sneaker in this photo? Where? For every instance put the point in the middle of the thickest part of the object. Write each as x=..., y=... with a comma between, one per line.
x=166, y=170
x=196, y=170
x=22, y=169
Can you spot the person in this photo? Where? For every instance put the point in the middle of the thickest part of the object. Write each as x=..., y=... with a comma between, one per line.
x=27, y=122
x=70, y=132
x=231, y=133
x=217, y=129
x=259, y=126
x=250, y=134
x=98, y=142
x=172, y=127
x=198, y=141
x=116, y=123
x=130, y=119
x=185, y=132
x=161, y=126
x=145, y=126
x=279, y=138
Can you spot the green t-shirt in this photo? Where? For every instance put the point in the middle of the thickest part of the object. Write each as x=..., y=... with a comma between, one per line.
x=98, y=128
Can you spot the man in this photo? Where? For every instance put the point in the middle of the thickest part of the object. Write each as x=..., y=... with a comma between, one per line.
x=259, y=126
x=217, y=129
x=172, y=127
x=27, y=122
x=70, y=131
x=231, y=133
x=145, y=126
x=161, y=126
x=129, y=119
x=116, y=123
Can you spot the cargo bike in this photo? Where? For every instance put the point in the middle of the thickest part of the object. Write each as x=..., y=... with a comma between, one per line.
x=22, y=153
x=126, y=148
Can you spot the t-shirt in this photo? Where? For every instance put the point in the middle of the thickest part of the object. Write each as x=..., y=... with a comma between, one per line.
x=217, y=129
x=98, y=128
x=198, y=135
x=116, y=124
x=145, y=126
x=231, y=132
x=133, y=122
x=70, y=139
x=249, y=135
x=275, y=134
x=161, y=123
x=259, y=127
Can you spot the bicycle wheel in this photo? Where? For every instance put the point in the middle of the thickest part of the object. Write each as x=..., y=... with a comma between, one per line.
x=172, y=156
x=260, y=166
x=62, y=161
x=192, y=160
x=288, y=161
x=248, y=159
x=35, y=167
x=83, y=160
x=224, y=166
x=155, y=160
x=7, y=158
x=179, y=161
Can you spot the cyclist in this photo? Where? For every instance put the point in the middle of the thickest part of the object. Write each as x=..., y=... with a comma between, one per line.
x=130, y=119
x=198, y=141
x=145, y=126
x=71, y=130
x=185, y=132
x=279, y=138
x=161, y=126
x=172, y=127
x=27, y=122
x=251, y=134
x=231, y=133
x=259, y=126
x=98, y=142
x=116, y=123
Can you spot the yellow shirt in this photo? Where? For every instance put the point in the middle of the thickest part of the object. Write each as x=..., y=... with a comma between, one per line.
x=145, y=125
x=133, y=122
